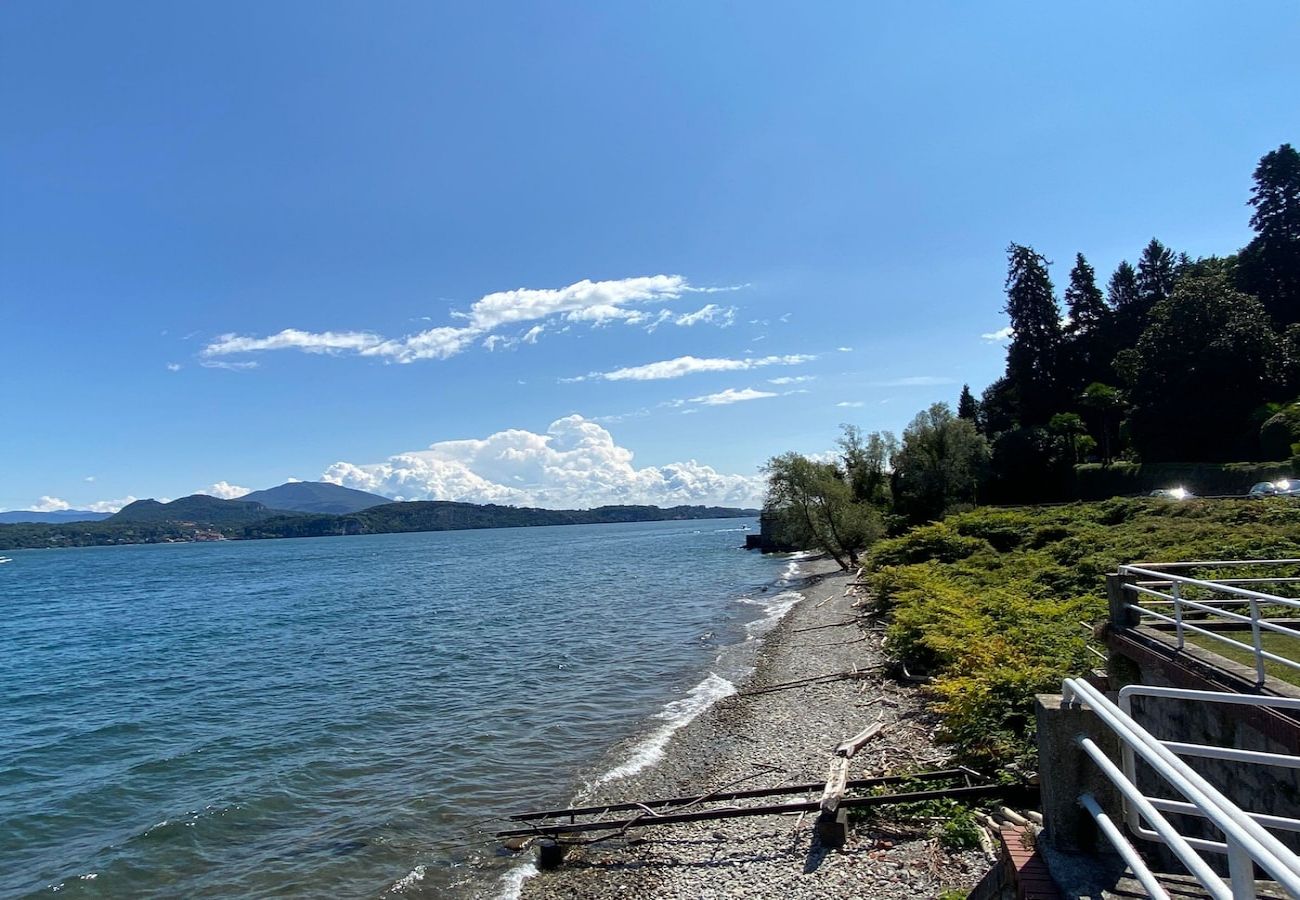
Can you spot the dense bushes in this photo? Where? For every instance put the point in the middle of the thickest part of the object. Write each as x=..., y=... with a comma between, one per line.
x=996, y=604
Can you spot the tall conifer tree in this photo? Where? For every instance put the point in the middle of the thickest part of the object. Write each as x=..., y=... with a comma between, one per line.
x=1083, y=299
x=1270, y=263
x=1155, y=276
x=967, y=406
x=1036, y=340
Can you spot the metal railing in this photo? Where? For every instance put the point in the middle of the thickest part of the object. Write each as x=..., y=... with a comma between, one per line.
x=1189, y=604
x=1247, y=841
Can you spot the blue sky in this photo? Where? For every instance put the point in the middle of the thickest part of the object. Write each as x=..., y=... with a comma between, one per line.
x=181, y=182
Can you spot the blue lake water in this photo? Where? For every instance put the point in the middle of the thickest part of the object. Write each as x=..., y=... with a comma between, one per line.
x=337, y=716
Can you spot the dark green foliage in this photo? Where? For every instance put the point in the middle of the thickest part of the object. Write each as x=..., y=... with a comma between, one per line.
x=1083, y=299
x=1155, y=276
x=813, y=504
x=940, y=464
x=1036, y=343
x=967, y=406
x=1121, y=479
x=989, y=601
x=1270, y=264
x=1201, y=368
x=1123, y=296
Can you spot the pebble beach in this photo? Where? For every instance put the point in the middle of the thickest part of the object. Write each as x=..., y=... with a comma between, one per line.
x=758, y=738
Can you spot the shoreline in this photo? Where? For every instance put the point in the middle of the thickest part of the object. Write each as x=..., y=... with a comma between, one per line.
x=770, y=739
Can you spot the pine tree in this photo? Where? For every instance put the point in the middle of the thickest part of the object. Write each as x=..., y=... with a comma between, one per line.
x=1123, y=297
x=1035, y=350
x=1270, y=263
x=1155, y=276
x=967, y=406
x=1083, y=299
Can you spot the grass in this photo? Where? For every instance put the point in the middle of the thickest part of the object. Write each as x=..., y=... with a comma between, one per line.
x=1271, y=641
x=989, y=602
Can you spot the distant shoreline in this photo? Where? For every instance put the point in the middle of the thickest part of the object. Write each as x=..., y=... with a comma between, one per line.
x=411, y=517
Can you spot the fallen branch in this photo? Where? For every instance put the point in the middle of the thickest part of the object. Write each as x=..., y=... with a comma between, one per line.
x=808, y=682
x=855, y=743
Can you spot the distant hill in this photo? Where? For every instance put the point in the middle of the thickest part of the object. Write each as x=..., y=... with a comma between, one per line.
x=201, y=517
x=52, y=518
x=316, y=497
x=198, y=509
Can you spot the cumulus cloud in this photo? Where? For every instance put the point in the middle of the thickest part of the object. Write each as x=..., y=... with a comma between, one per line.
x=224, y=490
x=997, y=337
x=49, y=504
x=690, y=365
x=574, y=464
x=112, y=506
x=731, y=395
x=595, y=303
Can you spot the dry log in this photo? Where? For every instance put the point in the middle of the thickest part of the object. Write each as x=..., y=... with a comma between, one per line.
x=835, y=782
x=848, y=748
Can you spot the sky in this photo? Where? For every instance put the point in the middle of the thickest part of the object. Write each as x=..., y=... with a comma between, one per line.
x=565, y=253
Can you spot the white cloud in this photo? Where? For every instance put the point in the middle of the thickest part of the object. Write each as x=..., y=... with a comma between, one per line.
x=224, y=490
x=593, y=302
x=531, y=335
x=228, y=366
x=173, y=367
x=731, y=395
x=915, y=381
x=711, y=313
x=112, y=506
x=49, y=504
x=89, y=478
x=997, y=337
x=792, y=379
x=850, y=403
x=574, y=464
x=845, y=349
x=689, y=365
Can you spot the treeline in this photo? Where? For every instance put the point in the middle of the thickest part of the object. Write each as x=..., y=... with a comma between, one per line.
x=389, y=518
x=1177, y=359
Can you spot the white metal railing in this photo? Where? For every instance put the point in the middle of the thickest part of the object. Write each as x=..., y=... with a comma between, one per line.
x=1209, y=604
x=1247, y=840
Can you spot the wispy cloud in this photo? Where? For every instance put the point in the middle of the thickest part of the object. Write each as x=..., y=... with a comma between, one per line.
x=792, y=379
x=173, y=367
x=594, y=303
x=850, y=403
x=731, y=395
x=690, y=365
x=915, y=381
x=997, y=337
x=845, y=349
x=228, y=366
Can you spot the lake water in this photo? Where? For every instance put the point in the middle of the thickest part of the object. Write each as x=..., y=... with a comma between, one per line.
x=345, y=716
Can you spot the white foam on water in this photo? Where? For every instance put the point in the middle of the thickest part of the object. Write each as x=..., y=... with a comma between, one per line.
x=5, y=559
x=412, y=877
x=512, y=883
x=675, y=715
x=775, y=610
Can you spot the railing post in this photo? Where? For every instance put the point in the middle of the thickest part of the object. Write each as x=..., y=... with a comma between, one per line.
x=1241, y=871
x=1175, y=591
x=1120, y=597
x=1254, y=636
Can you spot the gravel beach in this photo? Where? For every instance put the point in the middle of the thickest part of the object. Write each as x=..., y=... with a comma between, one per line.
x=759, y=740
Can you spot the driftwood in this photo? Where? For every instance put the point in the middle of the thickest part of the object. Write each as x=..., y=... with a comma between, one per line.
x=809, y=682
x=848, y=748
x=835, y=782
x=827, y=625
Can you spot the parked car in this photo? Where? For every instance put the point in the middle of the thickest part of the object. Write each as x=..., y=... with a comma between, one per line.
x=1263, y=489
x=1178, y=493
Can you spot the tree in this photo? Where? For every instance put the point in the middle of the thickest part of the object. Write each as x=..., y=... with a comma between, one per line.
x=1199, y=371
x=940, y=463
x=866, y=463
x=1124, y=298
x=1155, y=276
x=1107, y=404
x=1270, y=263
x=1083, y=299
x=967, y=406
x=1036, y=332
x=815, y=505
x=1070, y=430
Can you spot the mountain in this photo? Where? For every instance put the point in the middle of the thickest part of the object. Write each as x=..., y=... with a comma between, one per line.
x=197, y=509
x=316, y=497
x=57, y=517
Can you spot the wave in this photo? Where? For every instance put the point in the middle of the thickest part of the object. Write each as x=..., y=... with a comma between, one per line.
x=675, y=715
x=512, y=883
x=774, y=611
x=5, y=559
x=412, y=877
